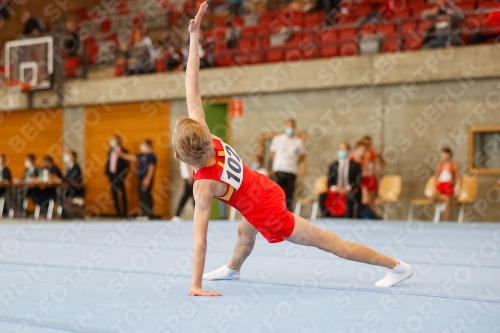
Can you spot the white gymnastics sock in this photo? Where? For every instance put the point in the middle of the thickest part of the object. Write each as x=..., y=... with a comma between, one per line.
x=401, y=272
x=223, y=273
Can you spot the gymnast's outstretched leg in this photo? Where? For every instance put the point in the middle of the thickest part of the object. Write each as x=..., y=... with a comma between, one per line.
x=305, y=233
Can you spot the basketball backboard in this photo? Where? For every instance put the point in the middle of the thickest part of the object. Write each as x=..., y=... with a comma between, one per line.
x=30, y=60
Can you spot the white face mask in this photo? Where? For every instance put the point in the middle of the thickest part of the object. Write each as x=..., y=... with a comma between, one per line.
x=66, y=159
x=27, y=164
x=113, y=143
x=143, y=148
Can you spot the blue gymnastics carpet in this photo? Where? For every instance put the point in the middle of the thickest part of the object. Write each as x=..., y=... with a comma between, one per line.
x=130, y=276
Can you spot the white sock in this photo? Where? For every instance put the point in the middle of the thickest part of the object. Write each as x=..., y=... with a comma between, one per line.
x=223, y=273
x=401, y=272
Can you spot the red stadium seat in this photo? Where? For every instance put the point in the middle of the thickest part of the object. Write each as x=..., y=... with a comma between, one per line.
x=474, y=23
x=328, y=51
x=414, y=43
x=300, y=47
x=82, y=14
x=485, y=3
x=138, y=21
x=401, y=12
x=368, y=29
x=326, y=36
x=92, y=52
x=223, y=60
x=313, y=20
x=246, y=58
x=417, y=9
x=106, y=25
x=348, y=49
x=387, y=29
x=89, y=41
x=409, y=28
x=274, y=54
x=72, y=65
x=466, y=6
x=160, y=64
x=119, y=69
x=246, y=44
x=347, y=34
x=122, y=8
x=391, y=45
x=174, y=17
x=248, y=31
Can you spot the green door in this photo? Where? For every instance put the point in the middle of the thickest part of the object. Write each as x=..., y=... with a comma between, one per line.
x=216, y=116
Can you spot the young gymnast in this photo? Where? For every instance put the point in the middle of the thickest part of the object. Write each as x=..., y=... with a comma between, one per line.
x=369, y=183
x=446, y=175
x=219, y=172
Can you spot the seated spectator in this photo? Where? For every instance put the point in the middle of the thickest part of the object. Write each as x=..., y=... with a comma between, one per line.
x=33, y=26
x=31, y=171
x=73, y=178
x=50, y=173
x=139, y=56
x=331, y=7
x=344, y=177
x=493, y=24
x=5, y=175
x=176, y=58
x=447, y=174
x=445, y=31
x=258, y=165
x=232, y=35
x=382, y=10
x=72, y=39
x=206, y=50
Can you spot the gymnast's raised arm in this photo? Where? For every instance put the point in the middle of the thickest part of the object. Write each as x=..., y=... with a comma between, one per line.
x=193, y=97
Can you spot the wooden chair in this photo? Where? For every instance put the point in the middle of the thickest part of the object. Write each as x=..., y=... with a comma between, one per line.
x=389, y=191
x=320, y=186
x=430, y=187
x=466, y=194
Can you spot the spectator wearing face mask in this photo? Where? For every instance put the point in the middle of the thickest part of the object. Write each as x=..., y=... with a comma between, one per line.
x=116, y=170
x=145, y=172
x=31, y=171
x=73, y=177
x=287, y=151
x=50, y=173
x=258, y=165
x=344, y=177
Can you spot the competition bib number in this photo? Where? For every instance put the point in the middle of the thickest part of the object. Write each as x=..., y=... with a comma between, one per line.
x=233, y=168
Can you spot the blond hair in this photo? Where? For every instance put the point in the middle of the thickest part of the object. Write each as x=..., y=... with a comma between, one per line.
x=192, y=142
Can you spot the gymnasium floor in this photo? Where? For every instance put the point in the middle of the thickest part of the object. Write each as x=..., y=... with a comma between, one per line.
x=135, y=277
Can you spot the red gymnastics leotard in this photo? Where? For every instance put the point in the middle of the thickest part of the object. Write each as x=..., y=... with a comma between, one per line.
x=260, y=200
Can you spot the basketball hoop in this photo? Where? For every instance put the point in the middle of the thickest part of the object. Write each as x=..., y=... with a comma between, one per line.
x=16, y=86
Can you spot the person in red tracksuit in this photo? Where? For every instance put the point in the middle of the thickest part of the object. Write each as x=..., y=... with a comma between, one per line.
x=219, y=172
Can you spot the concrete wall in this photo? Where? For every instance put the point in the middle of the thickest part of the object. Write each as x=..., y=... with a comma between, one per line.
x=74, y=131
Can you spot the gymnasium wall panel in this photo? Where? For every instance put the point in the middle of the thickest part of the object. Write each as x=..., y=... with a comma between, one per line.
x=134, y=123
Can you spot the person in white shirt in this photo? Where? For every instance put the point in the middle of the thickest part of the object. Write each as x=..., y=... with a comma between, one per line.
x=287, y=151
x=187, y=175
